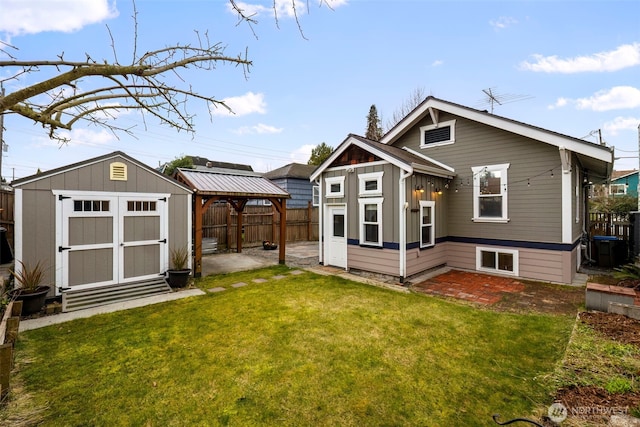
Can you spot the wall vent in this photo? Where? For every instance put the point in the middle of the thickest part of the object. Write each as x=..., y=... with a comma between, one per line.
x=118, y=171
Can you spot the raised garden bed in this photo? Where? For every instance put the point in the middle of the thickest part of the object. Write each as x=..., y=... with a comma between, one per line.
x=612, y=299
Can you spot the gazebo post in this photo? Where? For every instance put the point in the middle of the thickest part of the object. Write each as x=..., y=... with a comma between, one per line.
x=283, y=231
x=197, y=238
x=239, y=231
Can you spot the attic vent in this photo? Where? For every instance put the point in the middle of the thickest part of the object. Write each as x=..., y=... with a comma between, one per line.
x=118, y=171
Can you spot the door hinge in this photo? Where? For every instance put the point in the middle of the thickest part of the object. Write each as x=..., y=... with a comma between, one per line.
x=61, y=289
x=164, y=199
x=63, y=248
x=162, y=241
x=61, y=197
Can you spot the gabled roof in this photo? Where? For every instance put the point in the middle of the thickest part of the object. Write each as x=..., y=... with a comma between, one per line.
x=615, y=175
x=433, y=106
x=407, y=160
x=241, y=184
x=292, y=170
x=78, y=165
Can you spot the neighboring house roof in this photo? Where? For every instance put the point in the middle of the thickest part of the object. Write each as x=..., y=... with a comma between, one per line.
x=241, y=184
x=203, y=161
x=404, y=158
x=593, y=156
x=115, y=154
x=292, y=170
x=622, y=174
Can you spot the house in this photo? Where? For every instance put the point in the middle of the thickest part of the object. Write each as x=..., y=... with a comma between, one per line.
x=294, y=178
x=455, y=186
x=104, y=227
x=624, y=183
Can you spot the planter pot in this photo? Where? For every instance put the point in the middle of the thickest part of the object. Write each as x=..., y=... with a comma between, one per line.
x=178, y=278
x=268, y=246
x=32, y=302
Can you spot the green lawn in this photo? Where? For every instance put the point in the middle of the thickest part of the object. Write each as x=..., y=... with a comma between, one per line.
x=305, y=350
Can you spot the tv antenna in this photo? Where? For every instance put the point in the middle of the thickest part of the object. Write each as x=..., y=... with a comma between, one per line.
x=492, y=98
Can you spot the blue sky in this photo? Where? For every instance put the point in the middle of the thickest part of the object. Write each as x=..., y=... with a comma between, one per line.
x=571, y=67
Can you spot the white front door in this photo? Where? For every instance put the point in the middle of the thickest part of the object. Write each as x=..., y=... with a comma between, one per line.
x=105, y=239
x=335, y=236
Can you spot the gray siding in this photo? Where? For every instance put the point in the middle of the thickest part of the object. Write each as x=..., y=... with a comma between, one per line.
x=383, y=261
x=301, y=191
x=534, y=209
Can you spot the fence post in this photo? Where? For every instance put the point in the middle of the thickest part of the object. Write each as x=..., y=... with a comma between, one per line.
x=228, y=226
x=6, y=356
x=309, y=220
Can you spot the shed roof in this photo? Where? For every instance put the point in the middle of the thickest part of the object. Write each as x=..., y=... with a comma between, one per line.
x=116, y=154
x=243, y=184
x=292, y=170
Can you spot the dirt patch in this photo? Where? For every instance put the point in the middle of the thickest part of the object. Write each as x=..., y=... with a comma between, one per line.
x=595, y=404
x=543, y=298
x=615, y=326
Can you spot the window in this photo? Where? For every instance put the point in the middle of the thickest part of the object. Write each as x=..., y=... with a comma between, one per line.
x=490, y=193
x=335, y=186
x=91, y=206
x=315, y=195
x=497, y=260
x=438, y=134
x=370, y=184
x=618, y=189
x=427, y=223
x=141, y=206
x=371, y=221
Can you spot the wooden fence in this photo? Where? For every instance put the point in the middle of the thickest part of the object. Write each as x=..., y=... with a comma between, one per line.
x=6, y=213
x=609, y=224
x=259, y=223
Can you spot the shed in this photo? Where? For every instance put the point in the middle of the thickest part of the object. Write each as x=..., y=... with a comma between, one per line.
x=236, y=188
x=104, y=227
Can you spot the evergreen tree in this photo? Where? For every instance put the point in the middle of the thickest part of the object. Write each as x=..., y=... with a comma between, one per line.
x=319, y=154
x=374, y=129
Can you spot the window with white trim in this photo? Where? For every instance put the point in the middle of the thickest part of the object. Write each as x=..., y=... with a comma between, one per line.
x=371, y=221
x=497, y=260
x=315, y=196
x=618, y=189
x=334, y=186
x=370, y=184
x=490, y=193
x=427, y=223
x=435, y=135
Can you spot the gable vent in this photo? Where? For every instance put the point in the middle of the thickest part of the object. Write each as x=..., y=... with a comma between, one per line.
x=437, y=135
x=118, y=171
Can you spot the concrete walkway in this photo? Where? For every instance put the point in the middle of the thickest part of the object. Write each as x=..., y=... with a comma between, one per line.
x=54, y=319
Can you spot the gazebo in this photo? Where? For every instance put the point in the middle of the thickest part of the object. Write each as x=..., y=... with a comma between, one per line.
x=236, y=188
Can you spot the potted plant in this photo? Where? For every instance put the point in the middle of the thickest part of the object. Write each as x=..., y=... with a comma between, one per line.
x=179, y=272
x=28, y=287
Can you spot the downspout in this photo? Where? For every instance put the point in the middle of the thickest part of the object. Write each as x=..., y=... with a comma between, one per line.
x=320, y=223
x=402, y=210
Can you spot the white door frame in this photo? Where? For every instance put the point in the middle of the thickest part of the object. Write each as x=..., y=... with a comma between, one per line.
x=331, y=243
x=117, y=212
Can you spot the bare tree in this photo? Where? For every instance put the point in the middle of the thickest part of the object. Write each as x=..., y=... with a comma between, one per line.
x=151, y=83
x=407, y=106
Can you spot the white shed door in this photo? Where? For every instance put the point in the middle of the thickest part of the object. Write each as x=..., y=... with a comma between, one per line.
x=105, y=239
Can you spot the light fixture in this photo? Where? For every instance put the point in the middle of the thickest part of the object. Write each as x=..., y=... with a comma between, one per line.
x=419, y=188
x=439, y=190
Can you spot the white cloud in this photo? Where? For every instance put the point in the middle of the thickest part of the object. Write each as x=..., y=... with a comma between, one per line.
x=620, y=124
x=302, y=154
x=619, y=97
x=624, y=56
x=260, y=128
x=616, y=98
x=561, y=102
x=503, y=22
x=81, y=136
x=248, y=103
x=437, y=63
x=283, y=8
x=35, y=16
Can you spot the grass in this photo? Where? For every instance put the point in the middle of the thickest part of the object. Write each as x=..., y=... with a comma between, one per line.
x=305, y=350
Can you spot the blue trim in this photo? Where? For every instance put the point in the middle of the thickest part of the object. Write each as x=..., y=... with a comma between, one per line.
x=562, y=247
x=385, y=245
